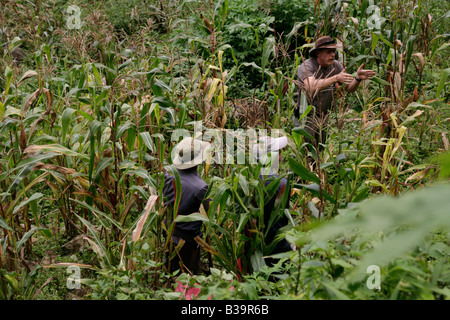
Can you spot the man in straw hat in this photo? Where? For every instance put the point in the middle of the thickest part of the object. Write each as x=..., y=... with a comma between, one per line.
x=319, y=76
x=186, y=156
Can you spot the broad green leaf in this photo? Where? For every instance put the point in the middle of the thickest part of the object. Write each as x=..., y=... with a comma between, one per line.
x=96, y=212
x=444, y=164
x=143, y=174
x=359, y=58
x=20, y=176
x=302, y=172
x=405, y=220
x=315, y=212
x=162, y=85
x=23, y=191
x=96, y=75
x=147, y=139
x=174, y=172
x=374, y=41
x=12, y=281
x=4, y=225
x=12, y=111
x=340, y=157
x=33, y=160
x=268, y=49
x=380, y=81
x=303, y=132
x=257, y=261
x=199, y=217
x=34, y=197
x=97, y=245
x=102, y=165
x=26, y=236
x=243, y=182
x=376, y=183
x=442, y=81
x=361, y=195
x=14, y=44
x=334, y=292
x=254, y=65
x=65, y=120
x=315, y=189
x=46, y=233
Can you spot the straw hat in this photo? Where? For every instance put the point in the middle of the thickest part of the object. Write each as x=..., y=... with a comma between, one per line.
x=324, y=42
x=189, y=153
x=267, y=145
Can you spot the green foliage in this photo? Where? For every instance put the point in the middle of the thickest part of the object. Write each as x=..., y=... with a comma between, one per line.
x=18, y=286
x=120, y=284
x=129, y=16
x=406, y=237
x=86, y=124
x=236, y=223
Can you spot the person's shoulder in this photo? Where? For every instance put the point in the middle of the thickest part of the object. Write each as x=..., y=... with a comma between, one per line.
x=202, y=183
x=308, y=63
x=192, y=177
x=202, y=188
x=307, y=68
x=338, y=65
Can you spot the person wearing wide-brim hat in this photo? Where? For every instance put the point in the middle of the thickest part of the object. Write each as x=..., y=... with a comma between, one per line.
x=325, y=42
x=318, y=77
x=189, y=153
x=186, y=156
x=267, y=151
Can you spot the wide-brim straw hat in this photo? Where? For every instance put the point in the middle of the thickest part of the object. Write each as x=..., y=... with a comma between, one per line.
x=325, y=42
x=189, y=153
x=267, y=145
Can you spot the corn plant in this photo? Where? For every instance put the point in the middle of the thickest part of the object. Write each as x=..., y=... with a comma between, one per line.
x=235, y=223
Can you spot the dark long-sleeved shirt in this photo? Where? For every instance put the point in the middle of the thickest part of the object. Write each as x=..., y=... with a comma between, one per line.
x=193, y=190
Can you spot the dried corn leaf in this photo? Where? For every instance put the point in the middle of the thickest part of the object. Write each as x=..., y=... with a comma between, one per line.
x=148, y=208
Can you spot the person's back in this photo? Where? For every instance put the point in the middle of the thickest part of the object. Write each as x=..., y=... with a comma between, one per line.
x=188, y=154
x=193, y=189
x=273, y=220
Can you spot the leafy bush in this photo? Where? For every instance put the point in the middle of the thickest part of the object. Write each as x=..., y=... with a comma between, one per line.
x=129, y=16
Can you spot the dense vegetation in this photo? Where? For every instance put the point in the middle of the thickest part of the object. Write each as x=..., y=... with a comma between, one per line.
x=90, y=99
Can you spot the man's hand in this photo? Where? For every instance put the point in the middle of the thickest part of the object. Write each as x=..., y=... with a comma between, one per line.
x=361, y=74
x=344, y=77
x=364, y=74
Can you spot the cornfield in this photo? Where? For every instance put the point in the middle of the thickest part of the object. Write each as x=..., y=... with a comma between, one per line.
x=94, y=93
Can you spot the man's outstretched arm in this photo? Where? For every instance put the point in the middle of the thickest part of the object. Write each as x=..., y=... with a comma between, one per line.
x=361, y=74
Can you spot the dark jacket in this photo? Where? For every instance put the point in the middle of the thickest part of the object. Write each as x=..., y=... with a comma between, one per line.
x=193, y=190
